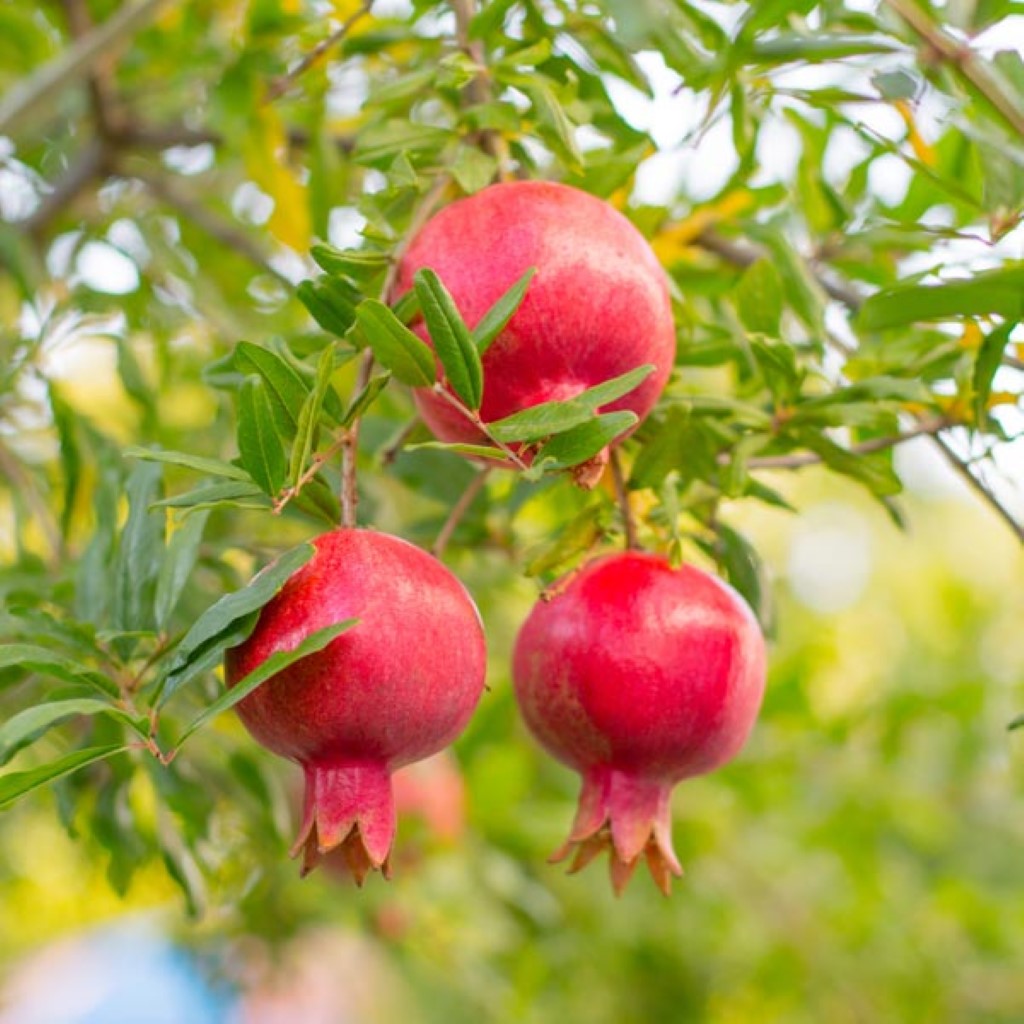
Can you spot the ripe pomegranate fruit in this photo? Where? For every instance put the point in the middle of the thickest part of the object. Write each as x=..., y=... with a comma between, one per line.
x=395, y=688
x=637, y=675
x=597, y=307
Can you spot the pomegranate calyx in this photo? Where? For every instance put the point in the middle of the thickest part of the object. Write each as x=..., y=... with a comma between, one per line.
x=629, y=815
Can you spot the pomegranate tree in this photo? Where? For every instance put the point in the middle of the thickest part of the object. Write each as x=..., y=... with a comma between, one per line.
x=597, y=307
x=638, y=675
x=395, y=688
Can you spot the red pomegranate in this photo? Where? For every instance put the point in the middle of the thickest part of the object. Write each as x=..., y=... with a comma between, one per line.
x=396, y=688
x=638, y=675
x=597, y=307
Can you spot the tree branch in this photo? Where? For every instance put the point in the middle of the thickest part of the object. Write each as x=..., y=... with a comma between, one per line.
x=986, y=79
x=224, y=231
x=281, y=85
x=73, y=65
x=979, y=487
x=89, y=165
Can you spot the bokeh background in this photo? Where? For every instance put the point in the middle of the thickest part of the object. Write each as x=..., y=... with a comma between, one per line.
x=861, y=861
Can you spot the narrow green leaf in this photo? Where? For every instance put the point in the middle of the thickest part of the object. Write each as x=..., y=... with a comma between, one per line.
x=759, y=298
x=38, y=659
x=26, y=726
x=210, y=467
x=316, y=641
x=745, y=570
x=577, y=537
x=874, y=471
x=177, y=565
x=494, y=321
x=140, y=550
x=1016, y=723
x=285, y=388
x=551, y=114
x=548, y=418
x=584, y=442
x=999, y=292
x=259, y=445
x=988, y=361
x=16, y=784
x=331, y=301
x=231, y=609
x=473, y=169
x=309, y=417
x=366, y=397
x=362, y=264
x=480, y=451
x=235, y=493
x=452, y=339
x=395, y=346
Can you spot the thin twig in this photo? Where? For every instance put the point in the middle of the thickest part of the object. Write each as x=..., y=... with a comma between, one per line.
x=977, y=485
x=350, y=451
x=985, y=78
x=281, y=85
x=102, y=90
x=622, y=496
x=797, y=460
x=390, y=453
x=474, y=418
x=88, y=166
x=459, y=509
x=478, y=90
x=204, y=218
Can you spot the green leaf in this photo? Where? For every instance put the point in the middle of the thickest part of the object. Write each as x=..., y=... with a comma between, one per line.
x=759, y=298
x=395, y=346
x=999, y=292
x=216, y=629
x=16, y=784
x=548, y=418
x=1016, y=723
x=331, y=301
x=235, y=493
x=452, y=339
x=139, y=551
x=38, y=659
x=316, y=641
x=309, y=417
x=480, y=451
x=584, y=442
x=362, y=264
x=285, y=388
x=874, y=470
x=577, y=537
x=473, y=169
x=209, y=467
x=745, y=570
x=259, y=445
x=366, y=397
x=177, y=565
x=988, y=361
x=551, y=114
x=494, y=321
x=28, y=725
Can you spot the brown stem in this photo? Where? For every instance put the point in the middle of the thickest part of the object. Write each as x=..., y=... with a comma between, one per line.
x=986, y=79
x=281, y=85
x=349, y=451
x=478, y=90
x=459, y=509
x=88, y=166
x=622, y=496
x=390, y=453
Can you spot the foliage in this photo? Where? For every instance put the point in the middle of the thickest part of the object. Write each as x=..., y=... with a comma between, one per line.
x=202, y=208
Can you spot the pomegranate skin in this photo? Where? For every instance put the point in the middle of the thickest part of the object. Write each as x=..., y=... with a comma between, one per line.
x=638, y=675
x=395, y=688
x=597, y=307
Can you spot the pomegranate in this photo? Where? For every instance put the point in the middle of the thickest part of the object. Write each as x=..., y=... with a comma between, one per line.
x=395, y=688
x=597, y=307
x=637, y=675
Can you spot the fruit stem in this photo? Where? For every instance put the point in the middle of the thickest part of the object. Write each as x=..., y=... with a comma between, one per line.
x=349, y=450
x=622, y=496
x=459, y=509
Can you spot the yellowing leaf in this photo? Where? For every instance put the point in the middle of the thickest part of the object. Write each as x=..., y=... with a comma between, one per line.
x=972, y=337
x=672, y=243
x=922, y=150
x=266, y=159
